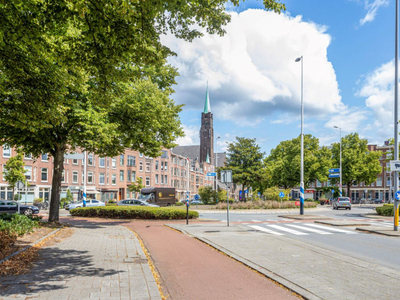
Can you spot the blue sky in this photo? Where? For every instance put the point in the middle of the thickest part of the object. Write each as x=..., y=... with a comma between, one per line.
x=254, y=81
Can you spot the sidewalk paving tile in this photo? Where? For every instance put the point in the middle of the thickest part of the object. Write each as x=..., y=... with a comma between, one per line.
x=87, y=265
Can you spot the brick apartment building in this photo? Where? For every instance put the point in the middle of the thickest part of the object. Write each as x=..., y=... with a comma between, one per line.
x=109, y=177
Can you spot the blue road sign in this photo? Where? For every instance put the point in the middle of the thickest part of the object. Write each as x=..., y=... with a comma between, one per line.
x=397, y=195
x=334, y=175
x=211, y=174
x=196, y=197
x=333, y=191
x=336, y=170
x=281, y=194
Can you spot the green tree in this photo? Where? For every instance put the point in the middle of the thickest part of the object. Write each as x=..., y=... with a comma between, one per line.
x=136, y=186
x=245, y=160
x=284, y=162
x=14, y=170
x=69, y=197
x=358, y=164
x=207, y=194
x=94, y=75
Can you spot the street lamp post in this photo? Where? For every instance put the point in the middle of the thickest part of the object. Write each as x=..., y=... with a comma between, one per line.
x=302, y=143
x=216, y=166
x=396, y=119
x=340, y=167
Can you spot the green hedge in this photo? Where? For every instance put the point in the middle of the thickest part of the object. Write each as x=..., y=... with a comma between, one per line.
x=12, y=226
x=119, y=212
x=385, y=210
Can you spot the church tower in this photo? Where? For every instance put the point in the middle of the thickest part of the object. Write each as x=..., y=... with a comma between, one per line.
x=206, y=133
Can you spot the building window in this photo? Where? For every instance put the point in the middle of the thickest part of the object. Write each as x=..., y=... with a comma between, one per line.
x=44, y=174
x=113, y=163
x=166, y=180
x=113, y=179
x=74, y=161
x=101, y=178
x=147, y=166
x=162, y=166
x=379, y=181
x=140, y=154
x=90, y=177
x=28, y=156
x=63, y=176
x=6, y=151
x=102, y=162
x=131, y=160
x=121, y=160
x=140, y=166
x=156, y=178
x=75, y=177
x=166, y=166
x=133, y=176
x=162, y=179
x=28, y=173
x=90, y=159
x=121, y=175
x=147, y=181
x=128, y=176
x=156, y=165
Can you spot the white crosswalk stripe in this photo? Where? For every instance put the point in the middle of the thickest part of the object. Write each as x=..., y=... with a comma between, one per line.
x=260, y=228
x=280, y=227
x=330, y=228
x=297, y=229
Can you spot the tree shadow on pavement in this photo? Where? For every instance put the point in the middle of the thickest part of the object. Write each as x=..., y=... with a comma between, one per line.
x=51, y=272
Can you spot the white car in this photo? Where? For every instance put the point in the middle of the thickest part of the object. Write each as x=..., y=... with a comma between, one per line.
x=89, y=203
x=136, y=202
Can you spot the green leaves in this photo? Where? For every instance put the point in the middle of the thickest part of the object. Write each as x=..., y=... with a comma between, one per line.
x=14, y=170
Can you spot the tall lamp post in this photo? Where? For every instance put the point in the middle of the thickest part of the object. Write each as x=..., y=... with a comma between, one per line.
x=340, y=167
x=396, y=119
x=302, y=143
x=216, y=166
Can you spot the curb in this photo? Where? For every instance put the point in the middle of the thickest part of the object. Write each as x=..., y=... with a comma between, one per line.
x=29, y=246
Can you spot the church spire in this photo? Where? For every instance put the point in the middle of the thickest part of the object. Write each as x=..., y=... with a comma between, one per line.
x=207, y=108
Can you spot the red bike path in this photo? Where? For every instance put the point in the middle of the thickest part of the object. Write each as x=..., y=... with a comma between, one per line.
x=190, y=269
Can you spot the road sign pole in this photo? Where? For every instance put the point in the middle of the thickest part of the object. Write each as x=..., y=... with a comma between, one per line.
x=396, y=117
x=227, y=202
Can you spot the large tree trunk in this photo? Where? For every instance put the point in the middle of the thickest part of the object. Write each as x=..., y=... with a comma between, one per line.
x=56, y=184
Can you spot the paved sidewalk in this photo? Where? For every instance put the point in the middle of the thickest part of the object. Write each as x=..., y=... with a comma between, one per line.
x=310, y=271
x=97, y=262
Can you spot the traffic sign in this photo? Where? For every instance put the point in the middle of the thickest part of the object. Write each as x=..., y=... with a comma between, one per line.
x=226, y=176
x=211, y=174
x=281, y=194
x=20, y=184
x=196, y=197
x=336, y=170
x=334, y=175
x=333, y=191
x=394, y=165
x=397, y=195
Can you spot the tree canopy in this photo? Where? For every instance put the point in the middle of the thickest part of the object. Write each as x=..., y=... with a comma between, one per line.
x=14, y=170
x=358, y=164
x=284, y=162
x=245, y=160
x=94, y=74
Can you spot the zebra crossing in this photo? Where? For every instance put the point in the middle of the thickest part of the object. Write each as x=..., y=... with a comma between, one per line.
x=299, y=229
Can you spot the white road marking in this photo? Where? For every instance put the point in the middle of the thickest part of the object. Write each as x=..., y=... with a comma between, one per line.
x=331, y=228
x=287, y=230
x=310, y=229
x=260, y=228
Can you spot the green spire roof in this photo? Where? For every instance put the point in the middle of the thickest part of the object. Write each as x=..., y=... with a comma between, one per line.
x=207, y=102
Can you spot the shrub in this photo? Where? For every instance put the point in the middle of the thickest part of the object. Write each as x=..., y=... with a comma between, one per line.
x=385, y=210
x=12, y=226
x=264, y=205
x=179, y=204
x=118, y=212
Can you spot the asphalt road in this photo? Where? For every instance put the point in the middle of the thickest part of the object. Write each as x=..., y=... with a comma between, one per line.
x=383, y=250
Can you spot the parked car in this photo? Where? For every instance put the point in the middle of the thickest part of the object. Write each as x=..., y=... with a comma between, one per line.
x=11, y=207
x=196, y=202
x=377, y=201
x=342, y=202
x=89, y=203
x=135, y=202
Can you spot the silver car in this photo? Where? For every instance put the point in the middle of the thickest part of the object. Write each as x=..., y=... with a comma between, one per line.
x=342, y=202
x=135, y=202
x=89, y=203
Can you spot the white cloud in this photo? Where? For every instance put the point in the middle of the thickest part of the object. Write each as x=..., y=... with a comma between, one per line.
x=251, y=71
x=378, y=88
x=372, y=7
x=191, y=136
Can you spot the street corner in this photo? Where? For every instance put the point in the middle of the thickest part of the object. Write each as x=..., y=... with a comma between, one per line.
x=379, y=230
